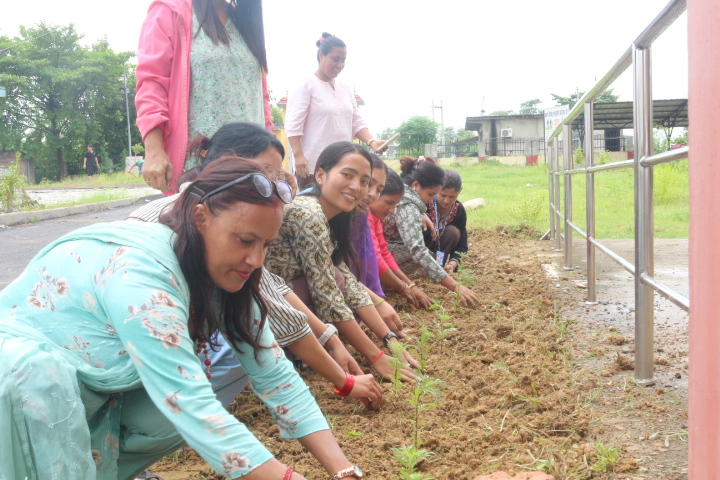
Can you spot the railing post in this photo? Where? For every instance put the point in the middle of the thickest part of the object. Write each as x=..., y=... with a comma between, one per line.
x=590, y=202
x=644, y=235
x=551, y=192
x=556, y=179
x=568, y=160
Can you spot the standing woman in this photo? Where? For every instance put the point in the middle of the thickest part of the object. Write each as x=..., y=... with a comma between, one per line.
x=403, y=229
x=201, y=64
x=323, y=110
x=90, y=162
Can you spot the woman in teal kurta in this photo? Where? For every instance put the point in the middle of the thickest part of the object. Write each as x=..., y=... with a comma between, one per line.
x=95, y=340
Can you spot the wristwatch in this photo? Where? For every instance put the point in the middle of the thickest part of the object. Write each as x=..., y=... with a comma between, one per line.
x=329, y=332
x=353, y=471
x=386, y=338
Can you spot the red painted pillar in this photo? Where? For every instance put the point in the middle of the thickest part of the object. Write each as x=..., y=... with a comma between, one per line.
x=704, y=108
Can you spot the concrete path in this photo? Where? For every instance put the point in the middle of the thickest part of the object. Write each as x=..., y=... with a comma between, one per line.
x=19, y=244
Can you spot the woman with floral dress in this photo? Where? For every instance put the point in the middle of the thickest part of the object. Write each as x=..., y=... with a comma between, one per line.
x=103, y=340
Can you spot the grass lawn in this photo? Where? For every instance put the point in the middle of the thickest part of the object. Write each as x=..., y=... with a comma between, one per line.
x=116, y=178
x=517, y=195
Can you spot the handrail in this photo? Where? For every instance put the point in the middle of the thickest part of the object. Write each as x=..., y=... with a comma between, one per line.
x=638, y=56
x=664, y=19
x=665, y=157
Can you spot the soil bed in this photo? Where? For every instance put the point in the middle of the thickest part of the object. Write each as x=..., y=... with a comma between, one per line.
x=521, y=389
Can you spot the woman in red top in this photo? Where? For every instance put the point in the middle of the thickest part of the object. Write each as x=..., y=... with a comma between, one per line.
x=390, y=273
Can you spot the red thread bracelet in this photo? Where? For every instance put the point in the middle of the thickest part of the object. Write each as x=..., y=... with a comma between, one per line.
x=288, y=473
x=347, y=388
x=378, y=357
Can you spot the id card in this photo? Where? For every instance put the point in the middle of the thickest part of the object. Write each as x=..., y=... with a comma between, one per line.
x=440, y=257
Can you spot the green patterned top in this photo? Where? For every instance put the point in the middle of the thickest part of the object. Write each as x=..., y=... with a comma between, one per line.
x=225, y=86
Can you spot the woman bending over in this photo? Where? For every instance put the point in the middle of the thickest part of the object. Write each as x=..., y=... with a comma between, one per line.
x=448, y=238
x=314, y=245
x=403, y=229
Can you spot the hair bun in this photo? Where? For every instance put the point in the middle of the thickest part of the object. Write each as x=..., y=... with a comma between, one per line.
x=322, y=38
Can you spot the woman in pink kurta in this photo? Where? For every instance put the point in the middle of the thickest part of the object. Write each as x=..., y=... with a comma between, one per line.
x=323, y=111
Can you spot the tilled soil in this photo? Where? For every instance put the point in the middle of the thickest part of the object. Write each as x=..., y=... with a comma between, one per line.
x=526, y=384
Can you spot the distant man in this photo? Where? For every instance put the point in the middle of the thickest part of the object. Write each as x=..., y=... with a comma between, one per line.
x=90, y=162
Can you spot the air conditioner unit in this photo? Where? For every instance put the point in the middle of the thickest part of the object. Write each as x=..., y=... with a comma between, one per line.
x=506, y=133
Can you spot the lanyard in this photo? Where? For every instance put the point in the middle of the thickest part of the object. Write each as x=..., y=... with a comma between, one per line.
x=437, y=222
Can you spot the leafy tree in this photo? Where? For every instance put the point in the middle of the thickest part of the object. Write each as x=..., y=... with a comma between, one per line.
x=606, y=97
x=415, y=132
x=530, y=107
x=498, y=113
x=62, y=96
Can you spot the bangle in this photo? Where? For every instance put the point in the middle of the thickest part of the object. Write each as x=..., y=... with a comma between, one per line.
x=379, y=302
x=288, y=473
x=378, y=357
x=412, y=285
x=347, y=388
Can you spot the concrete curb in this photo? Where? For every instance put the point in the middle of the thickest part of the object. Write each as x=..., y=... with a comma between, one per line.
x=17, y=218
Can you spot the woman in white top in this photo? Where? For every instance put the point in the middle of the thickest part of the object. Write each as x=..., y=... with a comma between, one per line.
x=323, y=111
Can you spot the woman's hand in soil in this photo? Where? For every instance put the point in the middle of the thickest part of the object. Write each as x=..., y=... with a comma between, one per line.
x=420, y=297
x=367, y=390
x=467, y=296
x=451, y=266
x=391, y=318
x=342, y=357
x=385, y=369
x=408, y=358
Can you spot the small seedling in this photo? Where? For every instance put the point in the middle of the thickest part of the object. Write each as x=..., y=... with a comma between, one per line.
x=606, y=457
x=410, y=458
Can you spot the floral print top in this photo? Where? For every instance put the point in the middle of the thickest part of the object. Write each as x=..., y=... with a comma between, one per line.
x=111, y=298
x=225, y=86
x=403, y=232
x=304, y=247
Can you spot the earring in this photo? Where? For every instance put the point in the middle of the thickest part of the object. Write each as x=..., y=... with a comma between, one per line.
x=320, y=182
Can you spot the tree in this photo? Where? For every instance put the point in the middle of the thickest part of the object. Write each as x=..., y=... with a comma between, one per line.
x=606, y=97
x=415, y=132
x=530, y=107
x=61, y=96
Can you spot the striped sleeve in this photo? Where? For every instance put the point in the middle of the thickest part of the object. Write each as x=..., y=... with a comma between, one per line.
x=287, y=324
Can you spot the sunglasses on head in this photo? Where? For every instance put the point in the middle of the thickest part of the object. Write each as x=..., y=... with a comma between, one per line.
x=263, y=185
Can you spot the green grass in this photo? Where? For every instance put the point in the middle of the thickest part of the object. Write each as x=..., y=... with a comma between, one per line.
x=99, y=179
x=517, y=194
x=104, y=196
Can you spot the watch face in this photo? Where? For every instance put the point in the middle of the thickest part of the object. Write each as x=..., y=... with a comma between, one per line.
x=357, y=471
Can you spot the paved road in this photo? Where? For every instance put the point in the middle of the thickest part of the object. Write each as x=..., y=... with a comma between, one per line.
x=19, y=244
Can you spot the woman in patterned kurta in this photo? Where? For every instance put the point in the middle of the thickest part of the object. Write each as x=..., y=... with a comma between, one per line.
x=98, y=338
x=403, y=229
x=314, y=242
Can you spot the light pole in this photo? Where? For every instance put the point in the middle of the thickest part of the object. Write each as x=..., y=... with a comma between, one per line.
x=127, y=110
x=442, y=122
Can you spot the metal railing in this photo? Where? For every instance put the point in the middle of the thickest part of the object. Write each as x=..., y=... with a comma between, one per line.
x=636, y=56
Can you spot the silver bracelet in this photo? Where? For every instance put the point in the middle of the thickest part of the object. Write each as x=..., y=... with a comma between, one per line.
x=329, y=332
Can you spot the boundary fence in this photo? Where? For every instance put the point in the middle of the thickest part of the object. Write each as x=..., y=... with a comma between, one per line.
x=637, y=57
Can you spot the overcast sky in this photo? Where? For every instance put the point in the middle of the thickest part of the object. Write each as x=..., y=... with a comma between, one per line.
x=404, y=54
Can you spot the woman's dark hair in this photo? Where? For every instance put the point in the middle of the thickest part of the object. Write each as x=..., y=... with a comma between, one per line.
x=393, y=185
x=240, y=139
x=326, y=44
x=189, y=175
x=340, y=224
x=452, y=180
x=247, y=18
x=236, y=309
x=423, y=170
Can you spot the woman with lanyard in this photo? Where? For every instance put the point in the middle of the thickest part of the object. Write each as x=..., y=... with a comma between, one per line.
x=403, y=229
x=201, y=64
x=448, y=241
x=323, y=111
x=104, y=338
